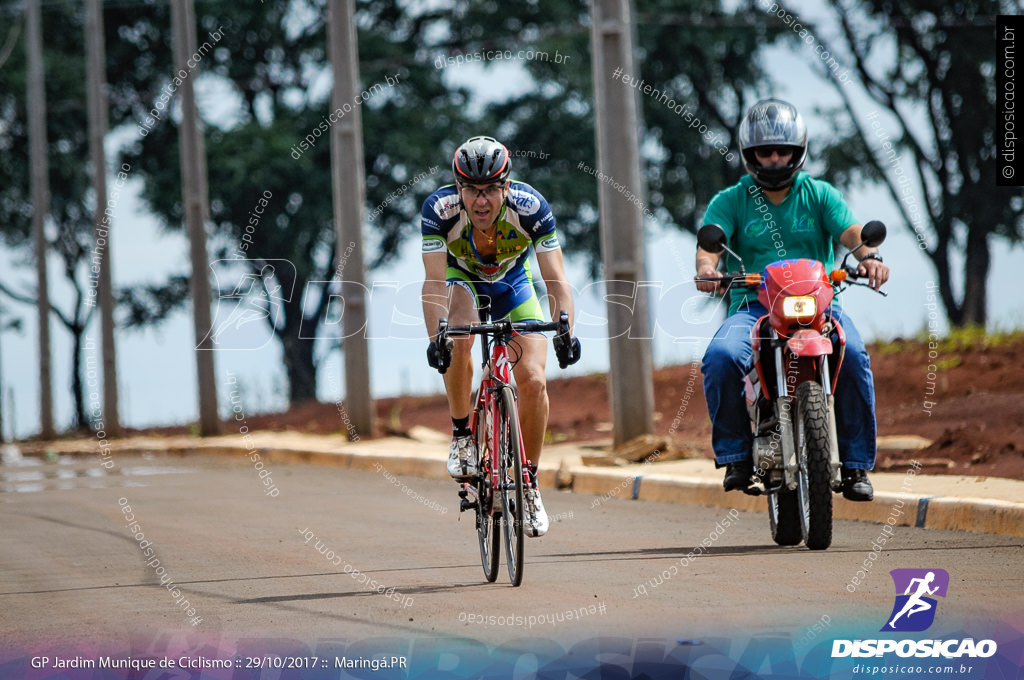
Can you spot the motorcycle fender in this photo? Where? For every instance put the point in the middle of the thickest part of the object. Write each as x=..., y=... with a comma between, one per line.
x=790, y=469
x=809, y=343
x=755, y=343
x=833, y=440
x=837, y=360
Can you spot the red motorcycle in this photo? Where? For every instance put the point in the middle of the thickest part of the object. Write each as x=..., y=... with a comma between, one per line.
x=789, y=392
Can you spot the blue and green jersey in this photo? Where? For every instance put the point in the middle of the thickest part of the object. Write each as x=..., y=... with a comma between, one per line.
x=525, y=220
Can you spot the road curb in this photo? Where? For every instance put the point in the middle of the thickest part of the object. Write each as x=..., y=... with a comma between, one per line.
x=899, y=509
x=983, y=515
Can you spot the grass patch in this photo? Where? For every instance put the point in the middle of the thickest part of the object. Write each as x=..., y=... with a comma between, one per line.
x=948, y=363
x=975, y=338
x=964, y=339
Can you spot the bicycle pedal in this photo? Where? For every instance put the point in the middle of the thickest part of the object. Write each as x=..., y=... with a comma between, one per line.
x=465, y=505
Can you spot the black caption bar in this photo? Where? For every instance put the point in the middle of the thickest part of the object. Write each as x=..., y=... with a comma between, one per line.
x=1009, y=120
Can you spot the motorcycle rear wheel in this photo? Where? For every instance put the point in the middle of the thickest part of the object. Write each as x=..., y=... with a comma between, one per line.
x=784, y=518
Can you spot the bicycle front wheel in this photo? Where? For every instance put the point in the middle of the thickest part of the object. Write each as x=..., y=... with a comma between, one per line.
x=510, y=477
x=488, y=528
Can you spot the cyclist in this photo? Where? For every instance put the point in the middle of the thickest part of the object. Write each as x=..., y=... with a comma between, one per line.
x=777, y=212
x=477, y=235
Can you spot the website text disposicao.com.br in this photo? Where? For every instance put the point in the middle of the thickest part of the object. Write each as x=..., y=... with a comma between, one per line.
x=951, y=657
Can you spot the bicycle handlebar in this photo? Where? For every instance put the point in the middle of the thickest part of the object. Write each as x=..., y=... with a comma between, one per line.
x=504, y=328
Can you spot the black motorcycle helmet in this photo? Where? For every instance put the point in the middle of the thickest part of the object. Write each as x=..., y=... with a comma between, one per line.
x=773, y=122
x=481, y=160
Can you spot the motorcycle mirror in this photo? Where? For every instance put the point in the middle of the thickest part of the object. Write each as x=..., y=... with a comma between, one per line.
x=711, y=238
x=873, y=233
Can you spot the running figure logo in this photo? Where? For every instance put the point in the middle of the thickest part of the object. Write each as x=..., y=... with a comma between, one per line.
x=913, y=610
x=253, y=302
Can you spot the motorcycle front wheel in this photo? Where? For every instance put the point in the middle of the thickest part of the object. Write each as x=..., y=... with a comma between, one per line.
x=815, y=488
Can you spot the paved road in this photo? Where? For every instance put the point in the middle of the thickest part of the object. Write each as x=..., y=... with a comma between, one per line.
x=246, y=560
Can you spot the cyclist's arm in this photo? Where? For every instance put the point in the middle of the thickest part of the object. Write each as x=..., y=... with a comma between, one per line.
x=552, y=269
x=434, y=296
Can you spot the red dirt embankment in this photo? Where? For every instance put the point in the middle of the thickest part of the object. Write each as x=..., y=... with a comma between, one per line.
x=970, y=404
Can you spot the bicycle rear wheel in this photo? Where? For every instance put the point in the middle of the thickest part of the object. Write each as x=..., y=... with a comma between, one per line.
x=488, y=530
x=511, y=478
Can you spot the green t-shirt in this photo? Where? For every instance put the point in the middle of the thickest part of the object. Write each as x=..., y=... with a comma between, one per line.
x=806, y=225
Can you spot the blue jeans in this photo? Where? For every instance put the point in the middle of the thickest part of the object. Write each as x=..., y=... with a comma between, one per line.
x=730, y=356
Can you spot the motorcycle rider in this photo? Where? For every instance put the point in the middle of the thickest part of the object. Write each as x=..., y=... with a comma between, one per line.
x=477, y=235
x=775, y=212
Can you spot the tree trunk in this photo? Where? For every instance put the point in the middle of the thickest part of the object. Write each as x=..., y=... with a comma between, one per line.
x=975, y=279
x=299, y=366
x=81, y=419
x=940, y=258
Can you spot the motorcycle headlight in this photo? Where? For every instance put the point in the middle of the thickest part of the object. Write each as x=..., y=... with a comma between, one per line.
x=799, y=307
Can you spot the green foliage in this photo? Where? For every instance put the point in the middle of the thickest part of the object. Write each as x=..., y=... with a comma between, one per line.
x=271, y=59
x=975, y=338
x=971, y=338
x=270, y=75
x=699, y=57
x=149, y=304
x=929, y=68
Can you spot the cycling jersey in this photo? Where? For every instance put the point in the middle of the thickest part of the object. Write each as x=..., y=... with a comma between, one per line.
x=506, y=284
x=525, y=219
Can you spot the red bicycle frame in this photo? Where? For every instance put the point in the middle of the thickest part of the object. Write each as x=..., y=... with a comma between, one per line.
x=497, y=374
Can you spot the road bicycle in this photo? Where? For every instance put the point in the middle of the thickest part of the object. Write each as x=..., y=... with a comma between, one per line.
x=496, y=493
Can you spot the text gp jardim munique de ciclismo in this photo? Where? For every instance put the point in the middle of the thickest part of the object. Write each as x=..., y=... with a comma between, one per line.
x=265, y=662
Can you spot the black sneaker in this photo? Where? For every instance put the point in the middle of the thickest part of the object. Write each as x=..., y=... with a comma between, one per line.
x=737, y=475
x=856, y=486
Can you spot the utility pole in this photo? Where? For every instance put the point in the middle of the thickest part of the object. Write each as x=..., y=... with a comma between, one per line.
x=349, y=193
x=40, y=170
x=96, y=63
x=630, y=379
x=196, y=203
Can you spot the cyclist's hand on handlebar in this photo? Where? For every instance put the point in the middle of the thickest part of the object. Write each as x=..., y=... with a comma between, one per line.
x=567, y=349
x=708, y=273
x=876, y=272
x=439, y=351
x=440, y=356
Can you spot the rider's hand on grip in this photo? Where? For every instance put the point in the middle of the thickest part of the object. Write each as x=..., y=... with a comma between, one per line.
x=705, y=285
x=567, y=349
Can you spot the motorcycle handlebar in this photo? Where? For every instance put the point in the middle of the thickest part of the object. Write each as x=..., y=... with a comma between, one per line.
x=726, y=280
x=754, y=280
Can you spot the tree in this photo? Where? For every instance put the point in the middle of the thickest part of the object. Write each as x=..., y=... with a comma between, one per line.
x=274, y=145
x=931, y=69
x=71, y=198
x=270, y=60
x=699, y=60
